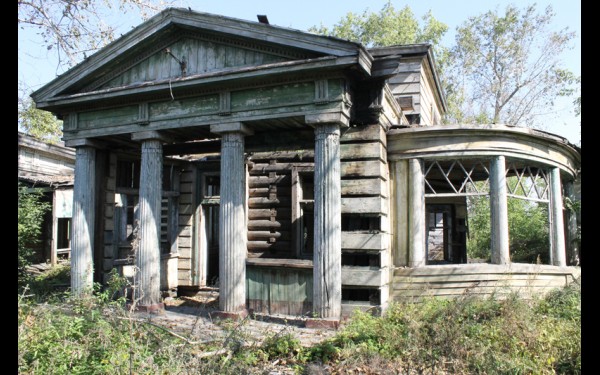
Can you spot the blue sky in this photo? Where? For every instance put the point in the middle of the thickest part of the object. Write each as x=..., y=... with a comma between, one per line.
x=37, y=67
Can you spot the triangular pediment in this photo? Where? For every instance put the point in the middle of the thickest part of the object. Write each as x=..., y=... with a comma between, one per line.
x=193, y=55
x=210, y=44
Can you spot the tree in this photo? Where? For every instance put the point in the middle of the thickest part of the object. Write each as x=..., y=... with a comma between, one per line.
x=507, y=66
x=72, y=30
x=390, y=27
x=528, y=226
x=40, y=124
x=31, y=210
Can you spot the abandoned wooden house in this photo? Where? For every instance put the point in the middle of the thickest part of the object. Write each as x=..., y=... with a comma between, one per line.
x=301, y=174
x=48, y=168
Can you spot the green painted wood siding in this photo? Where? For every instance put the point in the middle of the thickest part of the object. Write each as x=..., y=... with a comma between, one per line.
x=278, y=290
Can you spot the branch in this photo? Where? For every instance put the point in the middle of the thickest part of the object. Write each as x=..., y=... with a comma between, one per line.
x=169, y=331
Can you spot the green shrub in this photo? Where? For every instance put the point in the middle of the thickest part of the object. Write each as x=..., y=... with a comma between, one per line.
x=30, y=217
x=501, y=334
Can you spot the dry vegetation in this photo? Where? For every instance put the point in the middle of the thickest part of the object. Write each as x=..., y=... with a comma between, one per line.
x=99, y=335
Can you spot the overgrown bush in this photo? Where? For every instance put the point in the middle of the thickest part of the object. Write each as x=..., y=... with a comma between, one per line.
x=502, y=334
x=468, y=335
x=31, y=210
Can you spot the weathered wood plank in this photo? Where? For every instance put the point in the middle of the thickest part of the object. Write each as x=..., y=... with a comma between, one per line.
x=254, y=202
x=362, y=276
x=184, y=264
x=263, y=245
x=283, y=191
x=207, y=104
x=185, y=187
x=185, y=253
x=107, y=117
x=268, y=225
x=265, y=235
x=257, y=213
x=184, y=242
x=400, y=294
x=185, y=230
x=260, y=181
x=371, y=150
x=467, y=278
x=365, y=205
x=367, y=168
x=487, y=268
x=365, y=186
x=279, y=168
x=267, y=97
x=287, y=263
x=184, y=219
x=363, y=133
x=187, y=176
x=500, y=284
x=364, y=241
x=185, y=209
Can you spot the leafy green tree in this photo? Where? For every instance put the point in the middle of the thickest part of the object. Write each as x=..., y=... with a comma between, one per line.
x=390, y=27
x=528, y=228
x=31, y=210
x=40, y=124
x=508, y=66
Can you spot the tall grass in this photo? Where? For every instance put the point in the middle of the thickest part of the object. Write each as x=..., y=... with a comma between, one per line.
x=469, y=335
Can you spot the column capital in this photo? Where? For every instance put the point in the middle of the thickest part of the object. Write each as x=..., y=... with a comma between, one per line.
x=317, y=119
x=84, y=142
x=149, y=135
x=231, y=127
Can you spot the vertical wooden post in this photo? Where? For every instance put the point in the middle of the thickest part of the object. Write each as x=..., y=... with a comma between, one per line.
x=557, y=229
x=82, y=235
x=499, y=211
x=400, y=197
x=327, y=282
x=572, y=243
x=416, y=213
x=232, y=220
x=147, y=255
x=53, y=242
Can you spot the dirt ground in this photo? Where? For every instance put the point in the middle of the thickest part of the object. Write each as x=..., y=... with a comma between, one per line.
x=193, y=317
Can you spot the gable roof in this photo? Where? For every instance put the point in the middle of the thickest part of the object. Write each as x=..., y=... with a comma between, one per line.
x=160, y=31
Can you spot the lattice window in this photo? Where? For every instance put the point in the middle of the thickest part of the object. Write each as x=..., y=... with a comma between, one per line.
x=456, y=177
x=527, y=182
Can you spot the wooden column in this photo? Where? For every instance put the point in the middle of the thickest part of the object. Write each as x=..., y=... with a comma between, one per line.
x=400, y=196
x=147, y=255
x=53, y=243
x=499, y=211
x=416, y=213
x=571, y=223
x=327, y=280
x=557, y=225
x=82, y=234
x=232, y=219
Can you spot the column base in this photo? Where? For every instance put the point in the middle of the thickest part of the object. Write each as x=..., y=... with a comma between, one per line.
x=327, y=323
x=152, y=309
x=223, y=315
